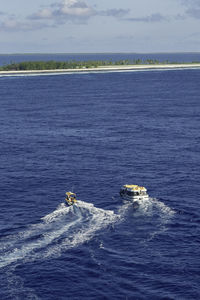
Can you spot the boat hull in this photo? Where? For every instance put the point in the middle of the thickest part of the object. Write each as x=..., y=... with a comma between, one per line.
x=70, y=202
x=135, y=198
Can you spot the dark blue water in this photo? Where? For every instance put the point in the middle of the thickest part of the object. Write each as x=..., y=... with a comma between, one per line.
x=171, y=57
x=93, y=132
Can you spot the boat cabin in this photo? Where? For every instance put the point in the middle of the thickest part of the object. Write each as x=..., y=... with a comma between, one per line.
x=133, y=192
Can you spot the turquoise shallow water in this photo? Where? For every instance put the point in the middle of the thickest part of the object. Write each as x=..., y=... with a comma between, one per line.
x=93, y=132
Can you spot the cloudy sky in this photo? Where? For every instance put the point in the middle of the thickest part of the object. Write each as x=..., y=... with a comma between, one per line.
x=99, y=26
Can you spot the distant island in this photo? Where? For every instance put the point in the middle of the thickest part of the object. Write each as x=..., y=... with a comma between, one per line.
x=51, y=66
x=65, y=65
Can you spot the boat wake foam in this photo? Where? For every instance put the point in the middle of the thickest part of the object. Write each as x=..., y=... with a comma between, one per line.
x=64, y=228
x=160, y=214
x=68, y=227
x=150, y=206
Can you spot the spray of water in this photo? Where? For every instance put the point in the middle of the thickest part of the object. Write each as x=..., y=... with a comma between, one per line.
x=64, y=228
x=68, y=227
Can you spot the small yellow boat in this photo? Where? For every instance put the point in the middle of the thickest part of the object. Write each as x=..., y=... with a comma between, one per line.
x=70, y=198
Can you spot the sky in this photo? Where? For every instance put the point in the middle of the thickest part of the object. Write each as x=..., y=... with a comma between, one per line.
x=85, y=26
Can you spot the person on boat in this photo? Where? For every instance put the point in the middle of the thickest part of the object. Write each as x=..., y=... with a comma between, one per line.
x=71, y=198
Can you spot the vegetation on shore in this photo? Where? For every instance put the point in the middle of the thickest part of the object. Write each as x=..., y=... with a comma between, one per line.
x=56, y=65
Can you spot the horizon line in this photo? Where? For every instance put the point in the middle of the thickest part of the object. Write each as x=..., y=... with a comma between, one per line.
x=106, y=52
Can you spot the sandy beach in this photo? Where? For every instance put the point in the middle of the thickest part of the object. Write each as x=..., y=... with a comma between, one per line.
x=108, y=68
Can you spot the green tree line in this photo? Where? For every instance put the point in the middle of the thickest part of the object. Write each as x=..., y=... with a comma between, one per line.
x=56, y=65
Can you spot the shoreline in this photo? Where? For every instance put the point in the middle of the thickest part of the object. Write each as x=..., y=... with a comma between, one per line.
x=107, y=68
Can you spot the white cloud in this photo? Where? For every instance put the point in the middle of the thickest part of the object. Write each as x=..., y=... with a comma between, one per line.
x=118, y=13
x=77, y=8
x=61, y=12
x=43, y=14
x=191, y=2
x=15, y=25
x=80, y=12
x=194, y=13
x=192, y=8
x=68, y=10
x=75, y=11
x=149, y=19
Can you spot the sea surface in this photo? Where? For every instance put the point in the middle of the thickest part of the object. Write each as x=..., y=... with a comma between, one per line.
x=91, y=133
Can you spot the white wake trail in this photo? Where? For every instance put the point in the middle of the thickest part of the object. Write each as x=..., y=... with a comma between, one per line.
x=60, y=211
x=34, y=229
x=64, y=228
x=160, y=214
x=30, y=247
x=68, y=227
x=96, y=218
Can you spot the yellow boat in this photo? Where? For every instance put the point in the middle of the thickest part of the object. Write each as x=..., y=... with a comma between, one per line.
x=133, y=192
x=70, y=198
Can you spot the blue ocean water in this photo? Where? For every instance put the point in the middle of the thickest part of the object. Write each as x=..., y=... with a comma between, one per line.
x=92, y=133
